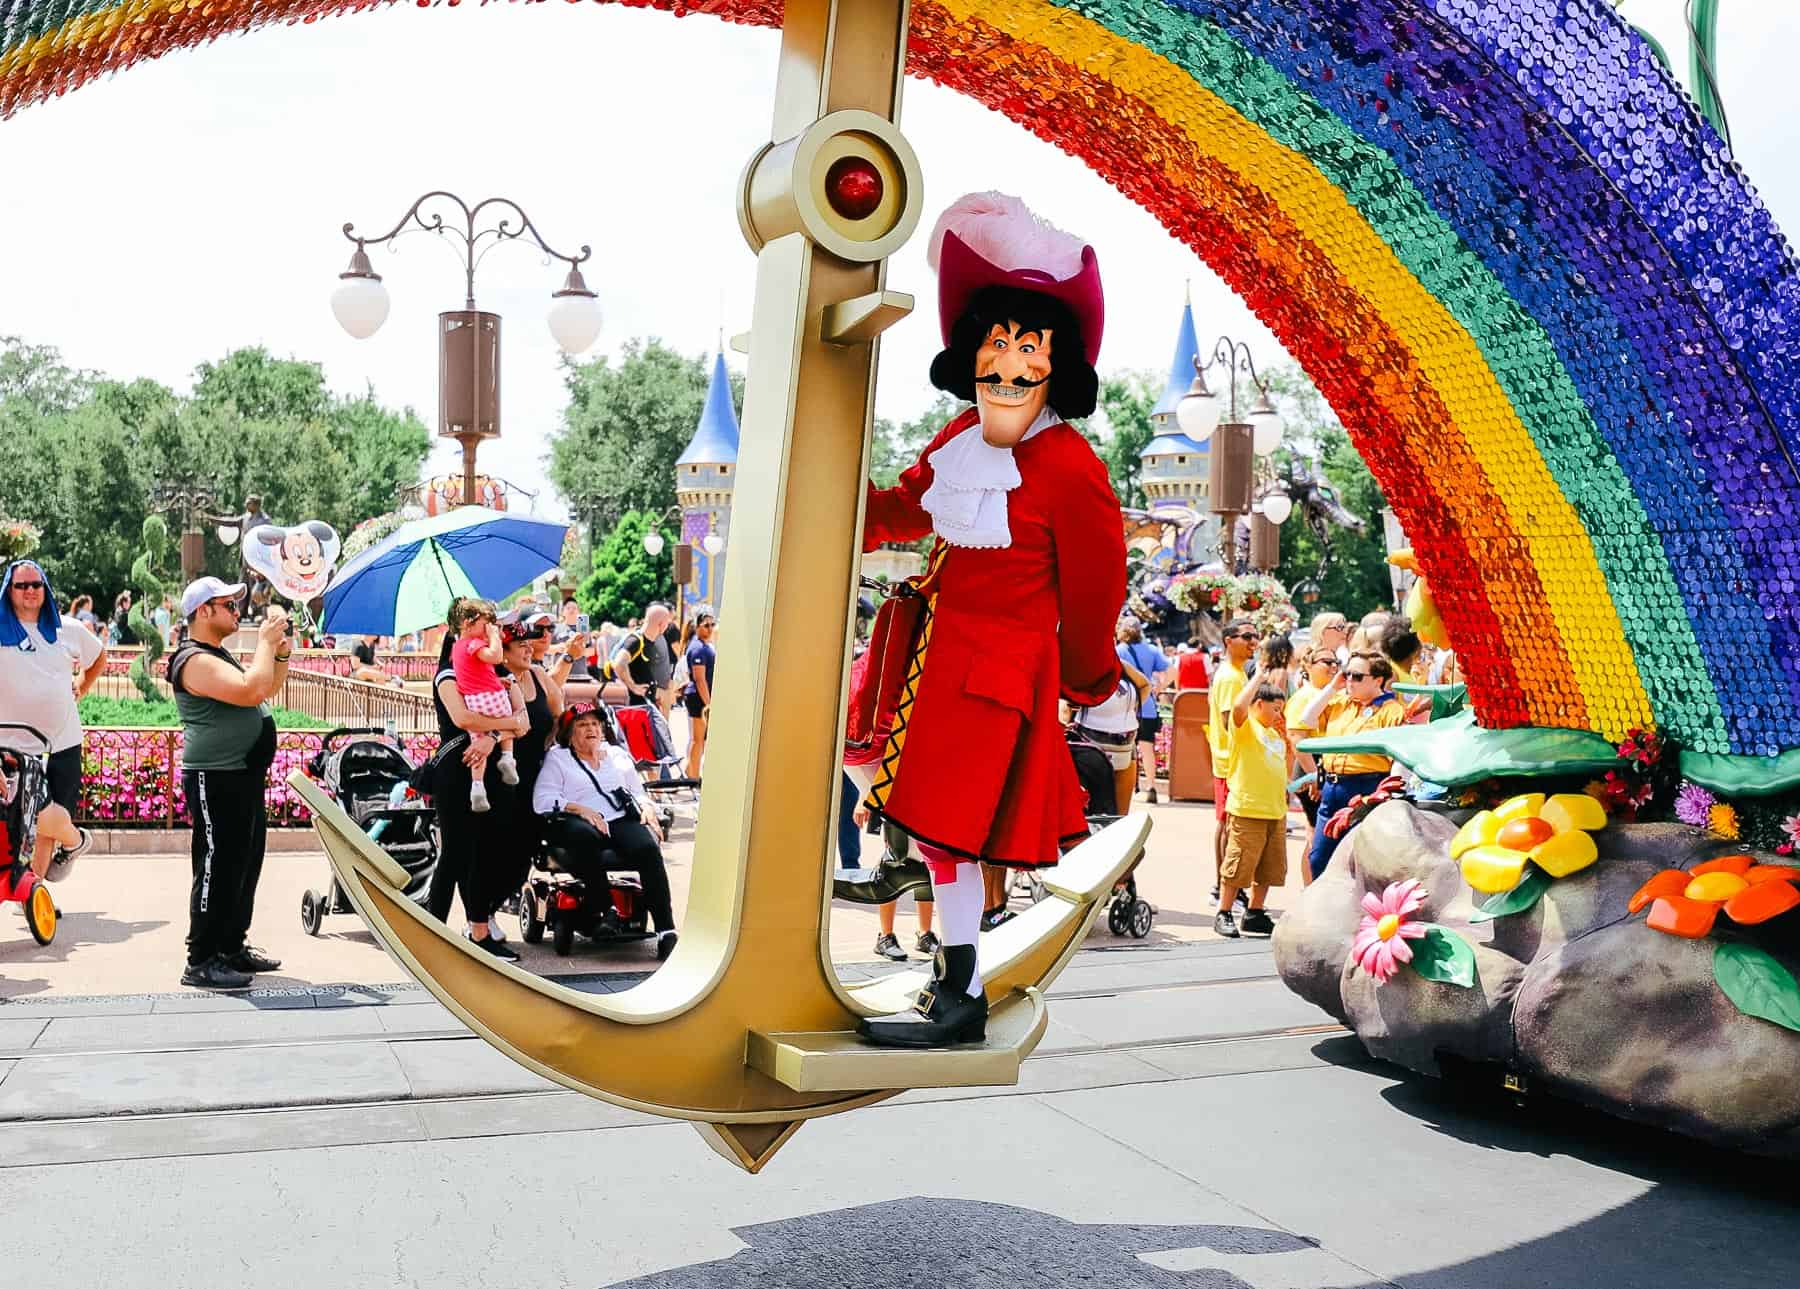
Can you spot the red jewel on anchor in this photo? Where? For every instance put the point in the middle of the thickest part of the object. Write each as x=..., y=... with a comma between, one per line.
x=853, y=187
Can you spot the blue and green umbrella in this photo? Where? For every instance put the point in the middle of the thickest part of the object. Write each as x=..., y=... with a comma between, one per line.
x=406, y=581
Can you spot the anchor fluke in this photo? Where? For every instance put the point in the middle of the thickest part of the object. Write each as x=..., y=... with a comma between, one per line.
x=748, y=1145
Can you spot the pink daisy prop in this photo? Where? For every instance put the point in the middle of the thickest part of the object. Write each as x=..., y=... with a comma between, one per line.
x=1380, y=945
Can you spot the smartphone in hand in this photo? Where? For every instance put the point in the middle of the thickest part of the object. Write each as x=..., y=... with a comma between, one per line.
x=581, y=623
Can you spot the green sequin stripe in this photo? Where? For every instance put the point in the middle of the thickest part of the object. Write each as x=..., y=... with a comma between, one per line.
x=1518, y=352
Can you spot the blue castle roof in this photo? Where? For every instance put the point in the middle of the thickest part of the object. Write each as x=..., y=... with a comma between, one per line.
x=715, y=440
x=1181, y=369
x=1173, y=442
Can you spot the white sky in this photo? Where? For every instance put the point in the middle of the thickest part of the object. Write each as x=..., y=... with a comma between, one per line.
x=160, y=218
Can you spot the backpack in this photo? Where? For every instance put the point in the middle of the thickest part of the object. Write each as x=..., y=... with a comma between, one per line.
x=607, y=671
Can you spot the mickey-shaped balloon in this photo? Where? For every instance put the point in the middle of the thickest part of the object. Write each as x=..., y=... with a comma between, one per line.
x=297, y=561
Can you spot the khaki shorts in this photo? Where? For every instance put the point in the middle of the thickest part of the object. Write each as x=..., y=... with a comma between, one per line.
x=1255, y=852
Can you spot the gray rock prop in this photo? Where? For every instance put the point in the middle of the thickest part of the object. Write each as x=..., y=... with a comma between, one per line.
x=1575, y=993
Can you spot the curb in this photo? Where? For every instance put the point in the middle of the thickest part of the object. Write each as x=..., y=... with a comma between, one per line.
x=178, y=841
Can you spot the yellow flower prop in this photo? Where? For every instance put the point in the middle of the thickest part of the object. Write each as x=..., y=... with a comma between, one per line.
x=1553, y=833
x=1722, y=821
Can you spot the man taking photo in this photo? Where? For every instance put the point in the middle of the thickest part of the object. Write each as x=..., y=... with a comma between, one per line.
x=228, y=745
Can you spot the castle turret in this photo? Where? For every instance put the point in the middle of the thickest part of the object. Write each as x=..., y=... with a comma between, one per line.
x=705, y=475
x=1175, y=467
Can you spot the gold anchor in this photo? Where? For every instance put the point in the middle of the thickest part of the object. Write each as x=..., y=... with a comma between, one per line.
x=746, y=1029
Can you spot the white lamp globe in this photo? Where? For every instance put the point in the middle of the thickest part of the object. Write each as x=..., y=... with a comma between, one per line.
x=228, y=533
x=1277, y=506
x=574, y=321
x=1198, y=416
x=360, y=305
x=653, y=543
x=1265, y=433
x=712, y=543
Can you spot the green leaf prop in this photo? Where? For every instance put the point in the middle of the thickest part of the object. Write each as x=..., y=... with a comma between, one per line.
x=1528, y=892
x=1444, y=956
x=1757, y=984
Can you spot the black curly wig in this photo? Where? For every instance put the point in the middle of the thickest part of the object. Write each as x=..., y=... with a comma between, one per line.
x=1074, y=384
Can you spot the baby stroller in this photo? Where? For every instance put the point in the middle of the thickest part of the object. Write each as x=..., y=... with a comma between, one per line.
x=369, y=777
x=23, y=792
x=1093, y=767
x=646, y=735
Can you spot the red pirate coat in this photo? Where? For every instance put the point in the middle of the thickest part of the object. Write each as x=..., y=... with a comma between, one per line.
x=976, y=763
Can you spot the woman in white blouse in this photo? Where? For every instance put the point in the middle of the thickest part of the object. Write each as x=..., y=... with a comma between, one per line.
x=595, y=808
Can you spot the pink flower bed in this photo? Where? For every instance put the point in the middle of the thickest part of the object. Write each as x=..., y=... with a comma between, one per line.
x=131, y=778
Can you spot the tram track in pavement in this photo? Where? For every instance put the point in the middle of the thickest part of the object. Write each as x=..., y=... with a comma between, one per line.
x=461, y=1033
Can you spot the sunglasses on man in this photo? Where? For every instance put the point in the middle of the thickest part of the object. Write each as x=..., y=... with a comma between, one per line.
x=1358, y=675
x=28, y=586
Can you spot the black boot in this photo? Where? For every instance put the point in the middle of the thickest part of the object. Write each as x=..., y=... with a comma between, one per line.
x=946, y=1013
x=888, y=880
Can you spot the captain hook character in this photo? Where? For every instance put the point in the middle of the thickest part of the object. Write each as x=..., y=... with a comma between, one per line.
x=1018, y=601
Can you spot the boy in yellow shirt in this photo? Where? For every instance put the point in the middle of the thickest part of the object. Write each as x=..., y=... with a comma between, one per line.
x=1262, y=762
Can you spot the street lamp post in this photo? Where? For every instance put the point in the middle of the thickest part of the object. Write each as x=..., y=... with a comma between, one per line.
x=683, y=559
x=468, y=339
x=1236, y=444
x=190, y=503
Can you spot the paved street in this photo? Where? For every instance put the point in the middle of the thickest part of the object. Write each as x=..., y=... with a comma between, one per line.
x=1186, y=1121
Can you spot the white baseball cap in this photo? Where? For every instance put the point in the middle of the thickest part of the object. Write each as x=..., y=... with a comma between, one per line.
x=207, y=588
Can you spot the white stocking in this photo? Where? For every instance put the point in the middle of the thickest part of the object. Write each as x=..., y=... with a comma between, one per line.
x=959, y=911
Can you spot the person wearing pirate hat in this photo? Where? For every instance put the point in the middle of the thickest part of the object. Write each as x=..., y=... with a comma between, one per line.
x=1020, y=593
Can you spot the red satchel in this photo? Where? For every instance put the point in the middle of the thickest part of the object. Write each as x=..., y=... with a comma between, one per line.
x=877, y=677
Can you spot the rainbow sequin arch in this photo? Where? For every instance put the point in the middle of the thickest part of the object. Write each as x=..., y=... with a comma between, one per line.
x=1554, y=314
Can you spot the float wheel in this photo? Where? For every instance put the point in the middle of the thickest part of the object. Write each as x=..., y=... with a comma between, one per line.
x=312, y=911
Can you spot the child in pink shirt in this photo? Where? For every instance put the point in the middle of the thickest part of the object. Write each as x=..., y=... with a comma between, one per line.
x=474, y=656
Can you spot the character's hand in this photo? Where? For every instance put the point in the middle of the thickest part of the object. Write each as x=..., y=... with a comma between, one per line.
x=861, y=816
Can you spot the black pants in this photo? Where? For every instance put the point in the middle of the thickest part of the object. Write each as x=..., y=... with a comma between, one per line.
x=627, y=846
x=230, y=828
x=474, y=850
x=62, y=771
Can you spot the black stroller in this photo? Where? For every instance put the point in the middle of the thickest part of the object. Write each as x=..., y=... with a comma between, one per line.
x=1093, y=767
x=368, y=776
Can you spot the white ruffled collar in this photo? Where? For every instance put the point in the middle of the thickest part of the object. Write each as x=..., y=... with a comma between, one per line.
x=970, y=480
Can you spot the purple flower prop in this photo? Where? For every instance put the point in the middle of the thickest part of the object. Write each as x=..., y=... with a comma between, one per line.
x=1693, y=804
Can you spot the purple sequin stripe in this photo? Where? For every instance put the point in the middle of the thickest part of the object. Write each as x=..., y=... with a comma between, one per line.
x=1678, y=173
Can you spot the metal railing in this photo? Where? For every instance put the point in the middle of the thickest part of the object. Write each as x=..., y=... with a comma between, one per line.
x=335, y=662
x=334, y=699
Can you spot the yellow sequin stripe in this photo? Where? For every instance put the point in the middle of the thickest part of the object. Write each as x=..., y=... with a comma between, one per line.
x=100, y=26
x=1559, y=545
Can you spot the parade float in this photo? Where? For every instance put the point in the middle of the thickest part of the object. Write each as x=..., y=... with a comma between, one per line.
x=1559, y=324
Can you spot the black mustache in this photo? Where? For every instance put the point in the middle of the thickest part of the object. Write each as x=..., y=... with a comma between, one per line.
x=1022, y=382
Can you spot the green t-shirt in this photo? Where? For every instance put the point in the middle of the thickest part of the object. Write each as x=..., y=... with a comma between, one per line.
x=217, y=735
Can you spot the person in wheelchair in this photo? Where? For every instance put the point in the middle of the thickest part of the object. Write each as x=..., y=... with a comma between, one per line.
x=595, y=809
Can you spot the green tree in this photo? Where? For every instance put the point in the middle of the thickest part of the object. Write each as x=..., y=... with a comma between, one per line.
x=623, y=428
x=81, y=453
x=625, y=576
x=1356, y=579
x=896, y=447
x=150, y=592
x=1126, y=401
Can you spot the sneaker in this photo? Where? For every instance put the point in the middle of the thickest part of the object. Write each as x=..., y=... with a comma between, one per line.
x=999, y=917
x=1150, y=797
x=1243, y=897
x=927, y=944
x=1225, y=925
x=888, y=946
x=1257, y=922
x=478, y=801
x=500, y=950
x=665, y=945
x=214, y=974
x=63, y=862
x=509, y=769
x=252, y=960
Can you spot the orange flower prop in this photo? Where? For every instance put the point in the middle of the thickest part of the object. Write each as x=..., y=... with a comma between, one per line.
x=1687, y=901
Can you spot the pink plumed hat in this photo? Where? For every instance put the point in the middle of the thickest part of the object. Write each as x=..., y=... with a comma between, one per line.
x=991, y=239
